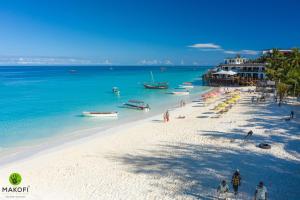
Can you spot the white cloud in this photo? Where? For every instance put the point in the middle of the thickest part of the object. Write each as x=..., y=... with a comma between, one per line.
x=149, y=62
x=155, y=62
x=107, y=62
x=15, y=60
x=215, y=47
x=168, y=62
x=205, y=46
x=230, y=52
x=243, y=52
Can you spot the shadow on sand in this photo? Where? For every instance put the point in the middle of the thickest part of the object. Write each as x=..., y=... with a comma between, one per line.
x=194, y=171
x=191, y=169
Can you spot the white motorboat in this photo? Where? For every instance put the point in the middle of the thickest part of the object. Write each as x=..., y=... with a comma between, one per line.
x=116, y=91
x=100, y=114
x=186, y=86
x=137, y=104
x=180, y=92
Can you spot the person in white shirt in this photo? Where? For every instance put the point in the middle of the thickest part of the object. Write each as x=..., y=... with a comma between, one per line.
x=223, y=189
x=261, y=192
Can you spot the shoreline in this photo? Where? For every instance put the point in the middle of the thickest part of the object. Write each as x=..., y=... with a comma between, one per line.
x=182, y=159
x=32, y=148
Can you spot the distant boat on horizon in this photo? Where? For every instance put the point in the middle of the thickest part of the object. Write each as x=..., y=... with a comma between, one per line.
x=72, y=71
x=156, y=85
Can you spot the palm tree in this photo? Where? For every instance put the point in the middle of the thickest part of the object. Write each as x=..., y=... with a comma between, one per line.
x=284, y=69
x=294, y=58
x=282, y=89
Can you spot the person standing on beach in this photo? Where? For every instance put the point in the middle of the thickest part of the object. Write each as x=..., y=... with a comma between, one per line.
x=261, y=192
x=223, y=189
x=292, y=115
x=182, y=103
x=167, y=116
x=236, y=181
x=164, y=116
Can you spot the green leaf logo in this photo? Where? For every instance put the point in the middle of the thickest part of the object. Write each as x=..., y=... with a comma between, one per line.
x=15, y=178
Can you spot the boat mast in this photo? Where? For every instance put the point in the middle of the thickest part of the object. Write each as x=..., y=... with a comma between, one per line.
x=152, y=78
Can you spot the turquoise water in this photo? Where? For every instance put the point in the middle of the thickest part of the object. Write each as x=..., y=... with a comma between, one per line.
x=42, y=102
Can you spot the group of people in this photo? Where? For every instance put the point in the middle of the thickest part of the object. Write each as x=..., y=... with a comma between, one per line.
x=223, y=188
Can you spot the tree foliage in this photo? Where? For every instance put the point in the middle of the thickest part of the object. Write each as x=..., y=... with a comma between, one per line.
x=284, y=69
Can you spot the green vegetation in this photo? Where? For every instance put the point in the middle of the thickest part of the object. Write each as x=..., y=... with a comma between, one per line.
x=284, y=69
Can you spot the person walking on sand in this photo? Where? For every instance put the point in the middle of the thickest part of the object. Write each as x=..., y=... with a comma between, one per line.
x=261, y=192
x=164, y=116
x=167, y=116
x=182, y=103
x=236, y=181
x=249, y=134
x=223, y=190
x=292, y=115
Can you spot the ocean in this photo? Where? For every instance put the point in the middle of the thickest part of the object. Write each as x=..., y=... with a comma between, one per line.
x=41, y=102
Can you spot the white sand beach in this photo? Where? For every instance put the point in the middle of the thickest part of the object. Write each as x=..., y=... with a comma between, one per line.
x=182, y=159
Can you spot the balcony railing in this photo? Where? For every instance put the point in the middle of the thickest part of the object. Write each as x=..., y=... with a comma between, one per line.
x=247, y=70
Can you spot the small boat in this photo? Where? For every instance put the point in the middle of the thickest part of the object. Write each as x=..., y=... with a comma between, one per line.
x=187, y=83
x=137, y=104
x=156, y=85
x=180, y=92
x=162, y=69
x=72, y=71
x=186, y=86
x=116, y=90
x=100, y=114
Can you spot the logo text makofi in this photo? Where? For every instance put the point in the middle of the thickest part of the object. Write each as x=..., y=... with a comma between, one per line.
x=15, y=179
x=15, y=189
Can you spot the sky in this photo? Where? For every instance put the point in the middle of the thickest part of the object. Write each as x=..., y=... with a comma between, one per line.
x=148, y=32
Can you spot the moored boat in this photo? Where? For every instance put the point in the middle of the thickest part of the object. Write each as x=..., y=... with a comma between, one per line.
x=100, y=114
x=116, y=90
x=180, y=92
x=137, y=104
x=186, y=86
x=156, y=85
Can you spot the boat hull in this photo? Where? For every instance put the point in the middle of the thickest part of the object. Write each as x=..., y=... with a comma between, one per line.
x=186, y=86
x=136, y=107
x=180, y=93
x=100, y=114
x=161, y=87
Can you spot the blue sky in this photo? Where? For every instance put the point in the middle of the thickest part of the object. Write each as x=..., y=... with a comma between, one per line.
x=132, y=32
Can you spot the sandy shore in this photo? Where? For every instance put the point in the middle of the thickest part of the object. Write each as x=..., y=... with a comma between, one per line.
x=182, y=159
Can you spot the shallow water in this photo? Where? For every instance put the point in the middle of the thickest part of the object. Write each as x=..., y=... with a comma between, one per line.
x=42, y=102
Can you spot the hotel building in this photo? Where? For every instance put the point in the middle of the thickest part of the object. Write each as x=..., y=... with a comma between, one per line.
x=244, y=69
